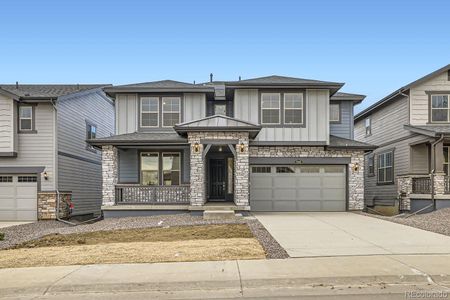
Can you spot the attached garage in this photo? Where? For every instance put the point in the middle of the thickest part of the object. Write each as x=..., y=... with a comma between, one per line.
x=18, y=197
x=298, y=187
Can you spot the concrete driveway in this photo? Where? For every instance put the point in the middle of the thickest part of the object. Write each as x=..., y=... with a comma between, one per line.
x=335, y=234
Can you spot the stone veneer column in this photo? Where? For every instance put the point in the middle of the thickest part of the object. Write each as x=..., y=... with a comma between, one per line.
x=109, y=174
x=439, y=183
x=356, y=183
x=241, y=172
x=404, y=189
x=197, y=190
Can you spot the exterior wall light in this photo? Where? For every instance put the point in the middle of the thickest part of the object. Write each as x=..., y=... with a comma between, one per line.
x=242, y=147
x=196, y=148
x=355, y=167
x=45, y=176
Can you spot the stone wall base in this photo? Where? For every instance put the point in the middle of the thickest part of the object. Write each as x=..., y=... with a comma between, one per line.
x=47, y=205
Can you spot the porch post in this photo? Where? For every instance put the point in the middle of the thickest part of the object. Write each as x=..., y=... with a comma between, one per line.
x=109, y=174
x=241, y=170
x=197, y=191
x=439, y=186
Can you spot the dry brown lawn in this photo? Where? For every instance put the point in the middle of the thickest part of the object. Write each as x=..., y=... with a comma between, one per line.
x=147, y=245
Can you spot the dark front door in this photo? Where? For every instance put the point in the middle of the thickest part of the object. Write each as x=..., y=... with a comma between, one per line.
x=217, y=179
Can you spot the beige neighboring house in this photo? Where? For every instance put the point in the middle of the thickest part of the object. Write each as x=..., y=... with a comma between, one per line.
x=272, y=143
x=411, y=128
x=43, y=149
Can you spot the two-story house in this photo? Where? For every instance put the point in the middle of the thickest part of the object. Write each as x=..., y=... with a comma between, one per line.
x=411, y=128
x=44, y=157
x=264, y=144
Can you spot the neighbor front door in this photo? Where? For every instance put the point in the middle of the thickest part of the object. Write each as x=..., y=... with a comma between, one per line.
x=217, y=179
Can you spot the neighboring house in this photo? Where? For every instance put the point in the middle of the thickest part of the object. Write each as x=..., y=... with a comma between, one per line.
x=411, y=128
x=265, y=144
x=43, y=149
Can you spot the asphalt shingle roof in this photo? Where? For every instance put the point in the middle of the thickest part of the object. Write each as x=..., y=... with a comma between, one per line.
x=47, y=90
x=338, y=142
x=281, y=80
x=430, y=130
x=140, y=137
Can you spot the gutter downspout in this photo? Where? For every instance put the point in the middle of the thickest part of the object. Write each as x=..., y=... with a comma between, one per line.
x=433, y=171
x=58, y=196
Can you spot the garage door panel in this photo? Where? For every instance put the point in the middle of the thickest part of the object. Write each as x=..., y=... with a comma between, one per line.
x=310, y=188
x=284, y=194
x=18, y=200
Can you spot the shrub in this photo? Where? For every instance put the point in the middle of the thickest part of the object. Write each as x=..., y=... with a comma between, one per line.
x=2, y=236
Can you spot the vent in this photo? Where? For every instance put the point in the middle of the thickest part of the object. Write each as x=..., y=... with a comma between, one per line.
x=219, y=92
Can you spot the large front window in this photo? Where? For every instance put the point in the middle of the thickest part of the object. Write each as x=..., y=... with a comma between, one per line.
x=171, y=168
x=150, y=168
x=440, y=110
x=385, y=167
x=149, y=111
x=170, y=111
x=270, y=108
x=160, y=168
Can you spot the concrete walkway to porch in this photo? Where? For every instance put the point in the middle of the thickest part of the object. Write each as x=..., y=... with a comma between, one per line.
x=346, y=233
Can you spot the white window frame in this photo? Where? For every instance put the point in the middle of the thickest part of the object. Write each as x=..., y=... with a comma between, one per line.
x=385, y=167
x=443, y=108
x=179, y=110
x=300, y=109
x=21, y=118
x=339, y=112
x=150, y=111
x=141, y=171
x=279, y=109
x=162, y=169
x=368, y=120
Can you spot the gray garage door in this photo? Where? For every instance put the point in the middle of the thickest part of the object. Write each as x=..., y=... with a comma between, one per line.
x=298, y=188
x=18, y=198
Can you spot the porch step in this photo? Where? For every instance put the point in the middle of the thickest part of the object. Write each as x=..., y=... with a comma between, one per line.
x=219, y=215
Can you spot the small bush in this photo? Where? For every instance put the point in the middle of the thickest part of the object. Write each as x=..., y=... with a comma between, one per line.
x=2, y=236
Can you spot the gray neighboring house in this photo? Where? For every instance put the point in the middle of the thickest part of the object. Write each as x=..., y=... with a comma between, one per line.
x=265, y=144
x=411, y=128
x=43, y=149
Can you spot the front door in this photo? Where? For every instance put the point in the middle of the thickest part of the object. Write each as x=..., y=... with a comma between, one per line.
x=217, y=179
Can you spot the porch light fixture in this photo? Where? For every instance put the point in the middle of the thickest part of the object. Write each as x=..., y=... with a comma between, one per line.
x=355, y=167
x=242, y=147
x=196, y=148
x=45, y=176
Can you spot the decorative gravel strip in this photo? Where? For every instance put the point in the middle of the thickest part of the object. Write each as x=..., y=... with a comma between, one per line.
x=437, y=221
x=22, y=233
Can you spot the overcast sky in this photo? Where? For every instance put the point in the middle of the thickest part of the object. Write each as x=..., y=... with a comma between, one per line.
x=373, y=47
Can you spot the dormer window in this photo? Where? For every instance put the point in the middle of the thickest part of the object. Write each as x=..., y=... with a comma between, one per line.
x=440, y=110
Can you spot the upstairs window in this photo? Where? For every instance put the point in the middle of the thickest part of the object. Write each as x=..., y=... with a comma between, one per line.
x=220, y=109
x=25, y=118
x=170, y=111
x=440, y=110
x=335, y=112
x=293, y=108
x=91, y=131
x=149, y=111
x=370, y=165
x=385, y=167
x=270, y=108
x=368, y=126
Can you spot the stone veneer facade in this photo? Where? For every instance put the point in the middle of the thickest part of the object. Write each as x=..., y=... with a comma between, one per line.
x=241, y=166
x=404, y=188
x=355, y=178
x=47, y=205
x=109, y=174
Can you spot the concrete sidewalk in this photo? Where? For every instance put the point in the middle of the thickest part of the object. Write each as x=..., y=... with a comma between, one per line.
x=232, y=279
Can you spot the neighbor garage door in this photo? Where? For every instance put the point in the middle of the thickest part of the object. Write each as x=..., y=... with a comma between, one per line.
x=298, y=188
x=18, y=198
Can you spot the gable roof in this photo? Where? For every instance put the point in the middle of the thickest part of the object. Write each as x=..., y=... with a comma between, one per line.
x=159, y=86
x=398, y=92
x=46, y=91
x=218, y=123
x=356, y=98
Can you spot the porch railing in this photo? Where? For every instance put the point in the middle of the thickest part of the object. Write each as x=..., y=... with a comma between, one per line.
x=139, y=194
x=421, y=185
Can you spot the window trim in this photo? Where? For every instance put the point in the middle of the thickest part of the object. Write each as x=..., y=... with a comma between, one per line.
x=282, y=92
x=369, y=118
x=279, y=109
x=162, y=110
x=158, y=99
x=339, y=120
x=33, y=119
x=392, y=167
x=162, y=168
x=430, y=107
x=300, y=109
